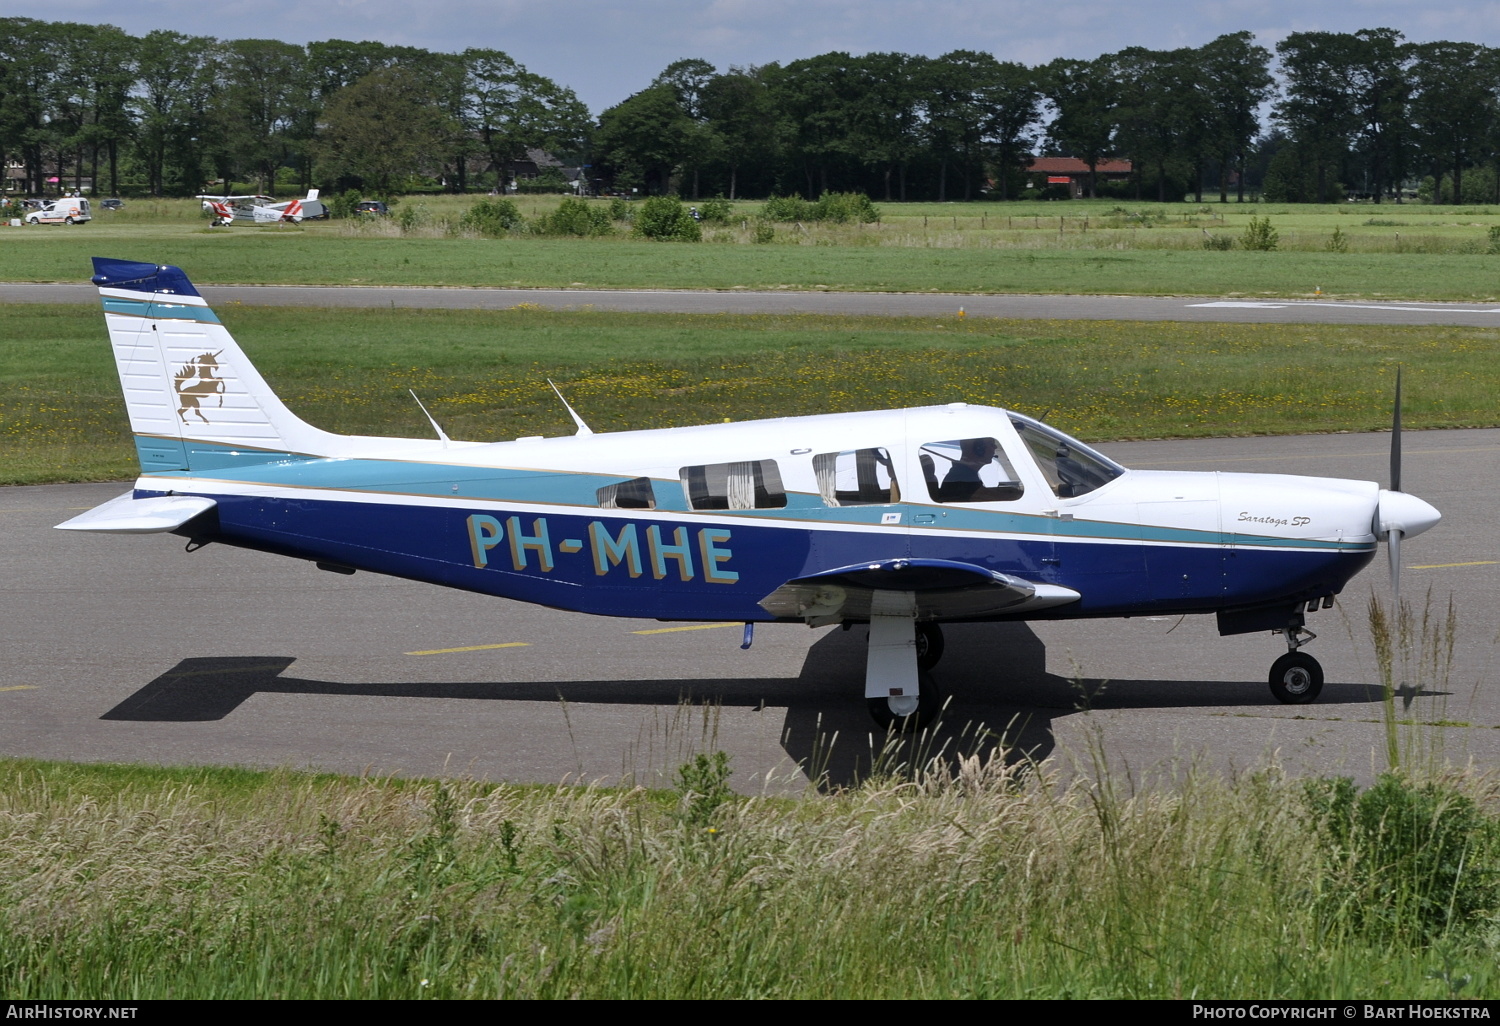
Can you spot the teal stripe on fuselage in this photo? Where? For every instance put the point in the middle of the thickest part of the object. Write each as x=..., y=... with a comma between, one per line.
x=157, y=310
x=159, y=455
x=955, y=518
x=164, y=455
x=445, y=481
x=568, y=489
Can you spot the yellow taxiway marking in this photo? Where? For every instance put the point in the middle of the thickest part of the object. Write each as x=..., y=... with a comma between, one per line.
x=470, y=648
x=694, y=627
x=1443, y=566
x=20, y=687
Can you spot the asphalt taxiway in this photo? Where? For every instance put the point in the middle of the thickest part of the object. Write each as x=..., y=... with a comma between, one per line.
x=904, y=304
x=130, y=649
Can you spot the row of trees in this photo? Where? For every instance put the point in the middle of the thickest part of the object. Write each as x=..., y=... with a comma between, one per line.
x=180, y=110
x=1365, y=110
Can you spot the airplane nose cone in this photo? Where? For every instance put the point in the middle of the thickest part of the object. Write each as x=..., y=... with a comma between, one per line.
x=1408, y=514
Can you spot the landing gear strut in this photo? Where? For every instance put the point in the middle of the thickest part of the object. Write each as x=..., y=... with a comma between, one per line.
x=899, y=691
x=1296, y=678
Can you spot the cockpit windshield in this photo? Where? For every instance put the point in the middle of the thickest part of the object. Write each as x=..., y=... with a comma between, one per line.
x=1071, y=468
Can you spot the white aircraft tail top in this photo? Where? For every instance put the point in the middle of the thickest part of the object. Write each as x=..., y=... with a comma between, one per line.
x=195, y=400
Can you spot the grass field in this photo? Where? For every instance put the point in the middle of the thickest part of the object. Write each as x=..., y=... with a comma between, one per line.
x=1101, y=247
x=961, y=879
x=483, y=374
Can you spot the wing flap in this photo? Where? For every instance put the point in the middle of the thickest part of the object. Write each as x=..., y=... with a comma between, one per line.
x=940, y=589
x=125, y=514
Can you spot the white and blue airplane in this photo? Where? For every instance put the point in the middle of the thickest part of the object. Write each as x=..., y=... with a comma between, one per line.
x=900, y=519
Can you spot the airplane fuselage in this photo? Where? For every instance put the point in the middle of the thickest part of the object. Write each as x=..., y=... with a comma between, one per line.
x=524, y=520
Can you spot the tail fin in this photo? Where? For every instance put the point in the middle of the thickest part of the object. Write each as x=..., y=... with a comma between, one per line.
x=312, y=206
x=195, y=401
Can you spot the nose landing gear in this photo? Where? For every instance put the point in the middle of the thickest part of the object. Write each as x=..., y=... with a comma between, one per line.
x=1296, y=678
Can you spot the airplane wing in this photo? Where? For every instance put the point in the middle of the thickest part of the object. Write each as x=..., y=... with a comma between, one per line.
x=125, y=514
x=942, y=589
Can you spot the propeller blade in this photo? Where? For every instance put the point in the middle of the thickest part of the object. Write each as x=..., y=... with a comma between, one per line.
x=1393, y=541
x=1396, y=437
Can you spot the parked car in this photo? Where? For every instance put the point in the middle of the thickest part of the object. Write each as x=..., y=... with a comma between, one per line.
x=371, y=207
x=68, y=210
x=112, y=204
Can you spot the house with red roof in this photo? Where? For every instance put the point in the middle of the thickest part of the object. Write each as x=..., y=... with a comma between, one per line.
x=1074, y=173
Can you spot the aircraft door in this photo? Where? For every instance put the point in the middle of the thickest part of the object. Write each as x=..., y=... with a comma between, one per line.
x=978, y=506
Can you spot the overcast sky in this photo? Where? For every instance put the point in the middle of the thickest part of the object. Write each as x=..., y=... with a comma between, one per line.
x=606, y=52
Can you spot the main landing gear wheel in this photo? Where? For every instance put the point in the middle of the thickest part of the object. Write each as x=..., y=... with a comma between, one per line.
x=906, y=713
x=1296, y=678
x=929, y=644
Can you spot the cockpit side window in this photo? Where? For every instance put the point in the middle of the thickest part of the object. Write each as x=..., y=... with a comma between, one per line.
x=856, y=477
x=1070, y=467
x=968, y=470
x=633, y=494
x=753, y=484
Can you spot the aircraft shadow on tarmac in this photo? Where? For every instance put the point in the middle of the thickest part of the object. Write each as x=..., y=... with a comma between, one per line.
x=994, y=676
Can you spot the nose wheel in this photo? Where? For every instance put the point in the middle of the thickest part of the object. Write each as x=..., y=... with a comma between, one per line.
x=1296, y=678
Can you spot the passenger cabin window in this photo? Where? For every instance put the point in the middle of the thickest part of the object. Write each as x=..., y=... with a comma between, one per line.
x=754, y=484
x=1070, y=467
x=857, y=477
x=633, y=494
x=968, y=470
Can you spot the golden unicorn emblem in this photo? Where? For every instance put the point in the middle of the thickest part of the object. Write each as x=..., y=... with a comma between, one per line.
x=194, y=381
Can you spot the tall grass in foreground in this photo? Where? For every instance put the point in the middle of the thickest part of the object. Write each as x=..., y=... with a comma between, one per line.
x=964, y=878
x=1413, y=656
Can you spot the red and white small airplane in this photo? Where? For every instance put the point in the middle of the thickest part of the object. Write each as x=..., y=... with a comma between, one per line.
x=261, y=209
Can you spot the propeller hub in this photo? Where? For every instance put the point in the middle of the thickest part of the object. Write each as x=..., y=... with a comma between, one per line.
x=1398, y=511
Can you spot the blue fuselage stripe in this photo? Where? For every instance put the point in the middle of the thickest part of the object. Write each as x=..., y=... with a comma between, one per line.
x=598, y=561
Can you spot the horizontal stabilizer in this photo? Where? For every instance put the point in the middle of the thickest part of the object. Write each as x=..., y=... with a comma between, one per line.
x=941, y=589
x=126, y=514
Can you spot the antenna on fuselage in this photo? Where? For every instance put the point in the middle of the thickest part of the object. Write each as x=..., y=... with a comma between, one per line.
x=583, y=429
x=440, y=433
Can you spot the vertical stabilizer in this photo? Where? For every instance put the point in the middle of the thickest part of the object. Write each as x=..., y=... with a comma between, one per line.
x=312, y=207
x=195, y=401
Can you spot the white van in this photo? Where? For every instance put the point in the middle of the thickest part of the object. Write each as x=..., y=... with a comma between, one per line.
x=68, y=210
